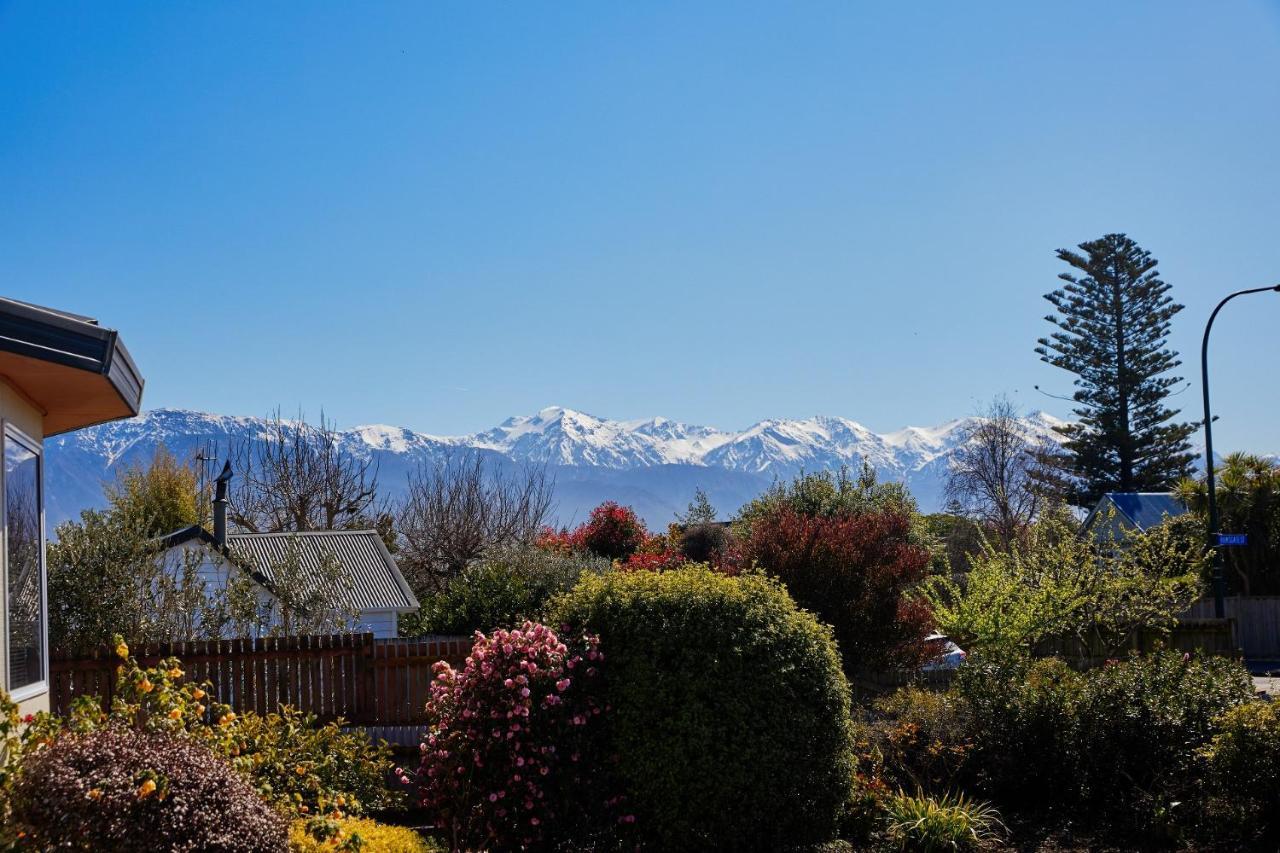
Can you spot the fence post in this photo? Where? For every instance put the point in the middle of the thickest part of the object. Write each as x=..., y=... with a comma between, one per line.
x=365, y=669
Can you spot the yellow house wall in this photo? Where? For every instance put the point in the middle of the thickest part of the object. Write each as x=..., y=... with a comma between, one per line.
x=15, y=409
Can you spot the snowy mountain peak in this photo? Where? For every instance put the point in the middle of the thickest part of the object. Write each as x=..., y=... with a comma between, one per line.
x=653, y=463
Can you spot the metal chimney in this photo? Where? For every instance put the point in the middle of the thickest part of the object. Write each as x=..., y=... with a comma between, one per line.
x=220, y=505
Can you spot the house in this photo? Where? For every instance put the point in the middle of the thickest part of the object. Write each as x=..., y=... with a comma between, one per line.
x=375, y=590
x=1118, y=513
x=58, y=372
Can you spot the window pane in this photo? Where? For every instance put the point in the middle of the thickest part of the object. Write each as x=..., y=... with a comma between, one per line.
x=22, y=524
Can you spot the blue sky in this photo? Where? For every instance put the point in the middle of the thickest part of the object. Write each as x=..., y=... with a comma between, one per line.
x=439, y=214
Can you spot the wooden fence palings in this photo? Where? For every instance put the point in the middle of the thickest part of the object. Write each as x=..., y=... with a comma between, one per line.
x=349, y=676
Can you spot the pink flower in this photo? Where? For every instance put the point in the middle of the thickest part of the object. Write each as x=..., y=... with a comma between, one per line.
x=562, y=685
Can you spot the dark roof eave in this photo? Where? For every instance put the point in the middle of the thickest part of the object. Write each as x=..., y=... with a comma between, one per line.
x=71, y=341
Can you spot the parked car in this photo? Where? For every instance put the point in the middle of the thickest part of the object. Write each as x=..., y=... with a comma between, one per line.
x=948, y=654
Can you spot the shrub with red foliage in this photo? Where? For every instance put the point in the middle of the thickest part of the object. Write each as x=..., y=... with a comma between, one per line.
x=852, y=569
x=612, y=531
x=654, y=561
x=513, y=758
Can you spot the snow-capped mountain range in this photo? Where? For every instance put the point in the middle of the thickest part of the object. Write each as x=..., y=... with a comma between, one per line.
x=654, y=464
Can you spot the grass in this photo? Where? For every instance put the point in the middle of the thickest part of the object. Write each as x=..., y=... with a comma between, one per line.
x=952, y=822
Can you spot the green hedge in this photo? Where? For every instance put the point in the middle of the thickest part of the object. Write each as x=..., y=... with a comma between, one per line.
x=730, y=712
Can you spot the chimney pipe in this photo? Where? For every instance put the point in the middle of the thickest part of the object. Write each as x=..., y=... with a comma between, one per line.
x=220, y=505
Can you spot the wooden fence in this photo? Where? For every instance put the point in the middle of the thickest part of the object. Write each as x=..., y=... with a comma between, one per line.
x=1257, y=619
x=1199, y=635
x=353, y=676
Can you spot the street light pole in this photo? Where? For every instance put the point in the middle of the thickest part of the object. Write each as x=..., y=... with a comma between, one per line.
x=1219, y=582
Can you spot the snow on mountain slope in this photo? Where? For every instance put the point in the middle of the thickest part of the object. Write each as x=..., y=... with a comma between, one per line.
x=657, y=460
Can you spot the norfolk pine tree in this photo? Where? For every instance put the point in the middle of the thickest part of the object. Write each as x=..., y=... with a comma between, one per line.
x=1113, y=323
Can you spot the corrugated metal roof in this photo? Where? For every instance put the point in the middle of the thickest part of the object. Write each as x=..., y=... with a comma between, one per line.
x=375, y=579
x=1147, y=509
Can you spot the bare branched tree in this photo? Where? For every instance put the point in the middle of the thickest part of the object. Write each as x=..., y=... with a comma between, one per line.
x=992, y=476
x=295, y=477
x=457, y=508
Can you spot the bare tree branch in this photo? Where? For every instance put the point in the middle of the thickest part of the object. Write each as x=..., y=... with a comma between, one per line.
x=456, y=509
x=992, y=473
x=294, y=477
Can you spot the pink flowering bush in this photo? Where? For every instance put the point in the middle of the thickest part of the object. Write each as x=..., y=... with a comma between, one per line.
x=513, y=757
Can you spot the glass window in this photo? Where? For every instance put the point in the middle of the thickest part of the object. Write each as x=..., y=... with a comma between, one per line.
x=24, y=550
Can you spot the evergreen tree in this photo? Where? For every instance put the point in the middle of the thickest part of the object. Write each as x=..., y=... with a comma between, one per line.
x=1113, y=323
x=700, y=510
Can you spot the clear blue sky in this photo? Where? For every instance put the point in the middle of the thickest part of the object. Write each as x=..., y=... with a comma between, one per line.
x=439, y=214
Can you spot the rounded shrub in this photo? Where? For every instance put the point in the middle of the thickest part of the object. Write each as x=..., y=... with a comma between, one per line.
x=730, y=720
x=122, y=789
x=502, y=590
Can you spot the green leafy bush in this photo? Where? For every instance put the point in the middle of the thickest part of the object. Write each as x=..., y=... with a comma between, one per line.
x=730, y=717
x=122, y=789
x=1119, y=740
x=949, y=822
x=1242, y=778
x=501, y=591
x=310, y=768
x=1140, y=722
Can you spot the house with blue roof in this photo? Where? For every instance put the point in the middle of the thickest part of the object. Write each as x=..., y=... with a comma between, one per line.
x=1119, y=513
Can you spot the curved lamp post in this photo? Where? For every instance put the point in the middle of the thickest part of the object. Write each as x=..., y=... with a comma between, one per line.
x=1219, y=584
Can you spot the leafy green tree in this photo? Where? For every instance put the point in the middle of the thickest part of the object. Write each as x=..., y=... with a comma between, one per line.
x=829, y=493
x=163, y=494
x=1113, y=319
x=1248, y=489
x=108, y=575
x=1055, y=584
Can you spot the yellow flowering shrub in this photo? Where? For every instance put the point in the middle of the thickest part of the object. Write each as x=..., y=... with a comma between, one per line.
x=359, y=834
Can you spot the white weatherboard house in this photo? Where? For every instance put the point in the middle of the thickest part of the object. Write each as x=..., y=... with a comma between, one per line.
x=58, y=372
x=375, y=591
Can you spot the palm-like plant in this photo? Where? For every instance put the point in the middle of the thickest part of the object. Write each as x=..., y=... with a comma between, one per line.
x=1248, y=492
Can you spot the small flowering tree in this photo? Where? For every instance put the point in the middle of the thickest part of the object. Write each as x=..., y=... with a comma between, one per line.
x=512, y=759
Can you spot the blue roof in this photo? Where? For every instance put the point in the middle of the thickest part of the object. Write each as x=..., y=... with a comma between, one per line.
x=1146, y=509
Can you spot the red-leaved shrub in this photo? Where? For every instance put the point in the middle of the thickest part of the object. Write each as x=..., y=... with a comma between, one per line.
x=612, y=531
x=851, y=569
x=513, y=757
x=120, y=789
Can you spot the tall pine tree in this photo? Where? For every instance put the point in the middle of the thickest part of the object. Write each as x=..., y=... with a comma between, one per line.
x=1113, y=323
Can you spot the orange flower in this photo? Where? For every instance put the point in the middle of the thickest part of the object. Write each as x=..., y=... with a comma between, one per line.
x=197, y=693
x=122, y=650
x=175, y=714
x=146, y=789
x=199, y=709
x=145, y=685
x=300, y=770
x=175, y=673
x=95, y=793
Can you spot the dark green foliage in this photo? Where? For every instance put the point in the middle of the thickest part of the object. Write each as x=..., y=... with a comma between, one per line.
x=1248, y=490
x=702, y=543
x=1242, y=778
x=1119, y=740
x=125, y=790
x=731, y=713
x=500, y=591
x=1113, y=320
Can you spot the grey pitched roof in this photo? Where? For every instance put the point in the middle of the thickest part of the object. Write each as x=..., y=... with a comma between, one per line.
x=1145, y=509
x=375, y=578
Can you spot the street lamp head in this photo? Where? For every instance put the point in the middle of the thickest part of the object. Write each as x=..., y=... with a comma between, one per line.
x=1276, y=288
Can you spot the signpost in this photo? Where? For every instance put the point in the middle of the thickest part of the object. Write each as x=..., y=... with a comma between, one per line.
x=1229, y=540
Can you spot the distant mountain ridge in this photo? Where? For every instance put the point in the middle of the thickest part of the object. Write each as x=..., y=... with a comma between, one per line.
x=652, y=464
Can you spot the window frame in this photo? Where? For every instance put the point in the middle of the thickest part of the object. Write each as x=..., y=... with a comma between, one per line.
x=10, y=432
